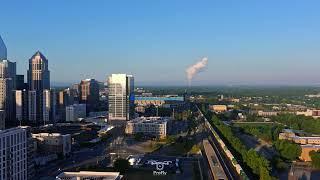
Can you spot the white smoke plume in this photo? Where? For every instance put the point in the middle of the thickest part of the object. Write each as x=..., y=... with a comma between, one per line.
x=196, y=68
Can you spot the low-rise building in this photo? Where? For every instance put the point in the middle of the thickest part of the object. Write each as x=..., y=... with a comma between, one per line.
x=89, y=175
x=307, y=143
x=75, y=112
x=153, y=126
x=310, y=112
x=306, y=149
x=53, y=143
x=218, y=108
x=267, y=113
x=291, y=135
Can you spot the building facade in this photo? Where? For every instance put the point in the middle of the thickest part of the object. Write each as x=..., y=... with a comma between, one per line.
x=3, y=50
x=21, y=105
x=267, y=113
x=66, y=97
x=151, y=126
x=89, y=93
x=2, y=119
x=89, y=175
x=53, y=143
x=49, y=106
x=13, y=156
x=7, y=86
x=75, y=112
x=315, y=113
x=218, y=108
x=8, y=70
x=6, y=97
x=31, y=152
x=290, y=135
x=32, y=106
x=20, y=84
x=121, y=97
x=38, y=81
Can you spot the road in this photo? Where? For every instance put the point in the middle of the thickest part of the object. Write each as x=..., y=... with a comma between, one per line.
x=85, y=156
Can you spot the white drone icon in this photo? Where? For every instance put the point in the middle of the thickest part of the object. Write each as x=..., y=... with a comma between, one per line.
x=159, y=165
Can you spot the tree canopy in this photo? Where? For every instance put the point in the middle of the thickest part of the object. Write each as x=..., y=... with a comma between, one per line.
x=315, y=157
x=287, y=149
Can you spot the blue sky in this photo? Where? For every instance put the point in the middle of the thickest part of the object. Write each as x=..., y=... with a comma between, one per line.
x=247, y=42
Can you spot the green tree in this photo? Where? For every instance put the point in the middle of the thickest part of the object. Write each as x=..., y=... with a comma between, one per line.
x=287, y=149
x=259, y=165
x=315, y=157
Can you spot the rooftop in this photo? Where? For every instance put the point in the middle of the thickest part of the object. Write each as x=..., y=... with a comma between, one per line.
x=90, y=174
x=157, y=120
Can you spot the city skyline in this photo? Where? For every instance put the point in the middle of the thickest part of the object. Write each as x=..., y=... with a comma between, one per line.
x=245, y=42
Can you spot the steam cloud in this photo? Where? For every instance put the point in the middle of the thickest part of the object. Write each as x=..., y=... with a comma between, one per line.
x=195, y=69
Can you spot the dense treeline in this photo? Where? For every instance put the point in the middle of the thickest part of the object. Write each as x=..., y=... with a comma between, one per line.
x=307, y=124
x=315, y=157
x=257, y=163
x=236, y=91
x=265, y=132
x=288, y=150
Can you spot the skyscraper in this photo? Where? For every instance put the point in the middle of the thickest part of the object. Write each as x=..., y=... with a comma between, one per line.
x=21, y=105
x=38, y=73
x=32, y=106
x=3, y=50
x=7, y=82
x=89, y=93
x=121, y=97
x=2, y=119
x=38, y=81
x=20, y=84
x=6, y=97
x=66, y=98
x=8, y=70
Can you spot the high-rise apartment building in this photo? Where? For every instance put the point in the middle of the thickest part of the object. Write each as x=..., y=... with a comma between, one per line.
x=121, y=97
x=38, y=81
x=49, y=106
x=13, y=156
x=75, y=92
x=7, y=85
x=3, y=50
x=46, y=106
x=31, y=152
x=75, y=112
x=21, y=105
x=6, y=97
x=89, y=93
x=32, y=106
x=8, y=70
x=2, y=119
x=7, y=82
x=20, y=84
x=66, y=98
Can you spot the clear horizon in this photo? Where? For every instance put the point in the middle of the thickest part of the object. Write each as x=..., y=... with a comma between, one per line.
x=247, y=43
